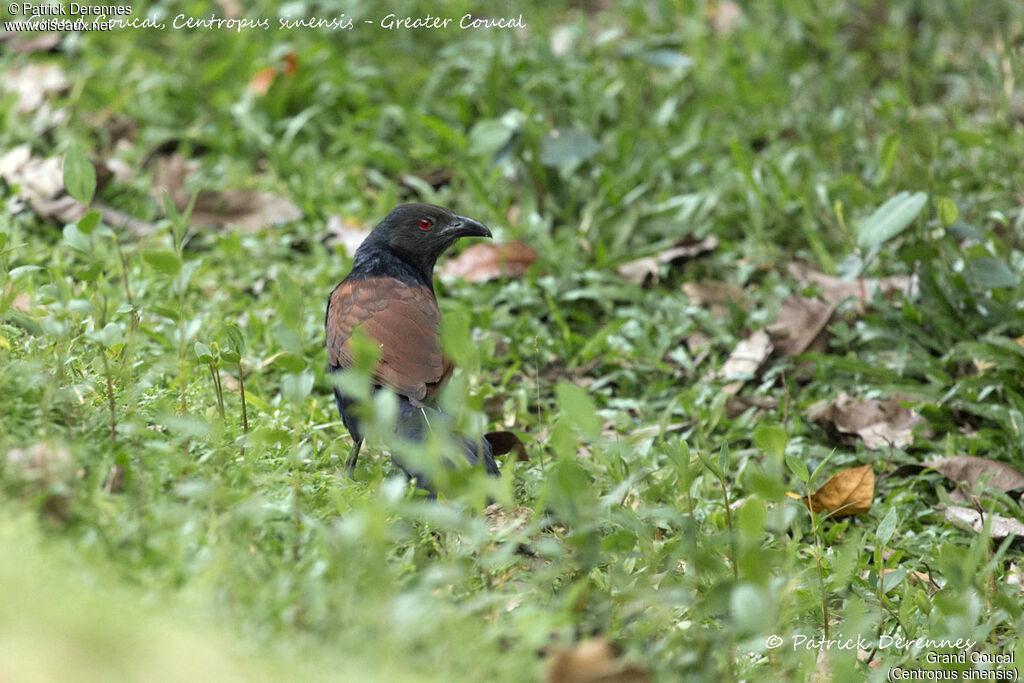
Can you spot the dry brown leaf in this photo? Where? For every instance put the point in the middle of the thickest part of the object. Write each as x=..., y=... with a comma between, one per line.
x=33, y=84
x=972, y=520
x=835, y=291
x=647, y=270
x=247, y=210
x=801, y=325
x=744, y=361
x=716, y=295
x=34, y=42
x=115, y=480
x=347, y=232
x=848, y=492
x=967, y=469
x=261, y=81
x=593, y=661
x=483, y=262
x=737, y=405
x=170, y=175
x=879, y=423
x=41, y=184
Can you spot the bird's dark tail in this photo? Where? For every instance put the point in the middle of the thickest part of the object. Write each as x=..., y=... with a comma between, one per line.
x=416, y=422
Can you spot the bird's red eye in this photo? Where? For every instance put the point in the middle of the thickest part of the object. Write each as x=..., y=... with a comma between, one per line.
x=426, y=224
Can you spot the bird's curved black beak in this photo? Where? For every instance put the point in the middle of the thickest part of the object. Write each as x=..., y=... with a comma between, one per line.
x=467, y=227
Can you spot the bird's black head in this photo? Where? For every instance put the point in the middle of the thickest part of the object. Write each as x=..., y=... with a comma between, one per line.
x=420, y=233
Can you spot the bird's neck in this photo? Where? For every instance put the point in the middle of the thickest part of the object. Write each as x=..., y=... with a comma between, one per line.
x=373, y=260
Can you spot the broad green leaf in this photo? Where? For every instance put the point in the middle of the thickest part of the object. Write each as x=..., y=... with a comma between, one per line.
x=235, y=338
x=887, y=526
x=890, y=219
x=798, y=467
x=567, y=147
x=203, y=352
x=487, y=137
x=296, y=387
x=946, y=210
x=893, y=579
x=74, y=238
x=79, y=175
x=88, y=222
x=669, y=59
x=163, y=260
x=989, y=272
x=109, y=336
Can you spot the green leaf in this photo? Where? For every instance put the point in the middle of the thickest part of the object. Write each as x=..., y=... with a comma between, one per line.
x=669, y=59
x=579, y=408
x=890, y=219
x=296, y=387
x=109, y=336
x=79, y=175
x=74, y=238
x=165, y=261
x=567, y=147
x=489, y=136
x=893, y=579
x=989, y=272
x=798, y=467
x=235, y=338
x=203, y=352
x=771, y=439
x=887, y=527
x=88, y=222
x=890, y=148
x=946, y=209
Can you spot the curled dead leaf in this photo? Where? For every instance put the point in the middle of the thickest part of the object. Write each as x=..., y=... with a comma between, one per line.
x=718, y=296
x=647, y=270
x=848, y=492
x=737, y=405
x=972, y=520
x=801, y=325
x=246, y=210
x=483, y=262
x=33, y=84
x=743, y=363
x=835, y=290
x=33, y=42
x=593, y=661
x=880, y=424
x=968, y=469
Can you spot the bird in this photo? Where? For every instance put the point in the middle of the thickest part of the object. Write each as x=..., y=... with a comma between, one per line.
x=389, y=295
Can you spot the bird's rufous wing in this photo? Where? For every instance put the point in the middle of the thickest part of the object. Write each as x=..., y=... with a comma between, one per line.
x=403, y=320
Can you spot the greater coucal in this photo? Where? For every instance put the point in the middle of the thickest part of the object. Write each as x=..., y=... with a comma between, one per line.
x=390, y=295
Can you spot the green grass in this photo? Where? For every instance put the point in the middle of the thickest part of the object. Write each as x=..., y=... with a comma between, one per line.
x=781, y=138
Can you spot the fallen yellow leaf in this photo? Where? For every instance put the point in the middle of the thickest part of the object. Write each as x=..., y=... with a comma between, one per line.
x=848, y=492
